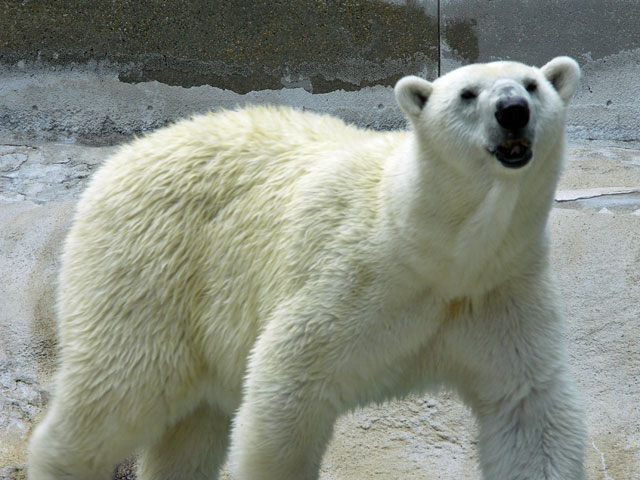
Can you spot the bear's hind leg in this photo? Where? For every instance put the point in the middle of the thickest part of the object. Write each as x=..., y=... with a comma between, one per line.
x=67, y=447
x=107, y=406
x=193, y=449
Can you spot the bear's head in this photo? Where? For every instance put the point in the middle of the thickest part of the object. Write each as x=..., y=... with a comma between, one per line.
x=502, y=114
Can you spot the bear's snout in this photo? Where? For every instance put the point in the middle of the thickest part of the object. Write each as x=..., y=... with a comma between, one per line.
x=512, y=112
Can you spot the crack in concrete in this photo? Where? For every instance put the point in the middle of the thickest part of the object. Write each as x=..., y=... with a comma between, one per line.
x=574, y=195
x=605, y=471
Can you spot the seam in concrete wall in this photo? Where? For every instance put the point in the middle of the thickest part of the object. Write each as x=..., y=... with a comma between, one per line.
x=439, y=40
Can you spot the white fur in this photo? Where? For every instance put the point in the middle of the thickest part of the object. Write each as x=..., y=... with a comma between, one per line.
x=294, y=267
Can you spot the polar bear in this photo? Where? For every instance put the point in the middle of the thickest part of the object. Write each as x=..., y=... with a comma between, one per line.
x=238, y=280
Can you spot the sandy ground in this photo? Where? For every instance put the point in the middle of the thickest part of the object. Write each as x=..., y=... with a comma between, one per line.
x=596, y=253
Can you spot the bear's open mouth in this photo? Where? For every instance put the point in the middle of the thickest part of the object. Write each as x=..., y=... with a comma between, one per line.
x=514, y=153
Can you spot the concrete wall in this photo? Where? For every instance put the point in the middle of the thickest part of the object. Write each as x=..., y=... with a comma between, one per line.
x=60, y=59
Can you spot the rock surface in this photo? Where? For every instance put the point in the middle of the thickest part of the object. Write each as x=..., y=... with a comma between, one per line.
x=596, y=252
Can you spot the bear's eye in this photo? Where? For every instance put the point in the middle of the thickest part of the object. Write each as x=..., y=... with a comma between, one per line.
x=468, y=94
x=531, y=86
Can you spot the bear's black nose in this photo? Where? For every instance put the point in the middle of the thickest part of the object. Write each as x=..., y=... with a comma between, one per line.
x=512, y=113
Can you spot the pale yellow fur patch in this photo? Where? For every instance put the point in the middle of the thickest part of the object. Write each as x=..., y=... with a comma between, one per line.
x=457, y=307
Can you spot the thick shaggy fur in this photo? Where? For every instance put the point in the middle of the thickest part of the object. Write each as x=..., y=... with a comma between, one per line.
x=247, y=276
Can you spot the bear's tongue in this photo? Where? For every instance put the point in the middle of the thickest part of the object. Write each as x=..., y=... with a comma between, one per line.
x=516, y=150
x=514, y=153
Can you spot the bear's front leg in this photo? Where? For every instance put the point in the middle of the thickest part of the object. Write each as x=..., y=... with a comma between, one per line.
x=536, y=437
x=289, y=405
x=530, y=418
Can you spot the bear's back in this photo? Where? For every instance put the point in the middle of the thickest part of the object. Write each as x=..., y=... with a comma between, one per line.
x=195, y=220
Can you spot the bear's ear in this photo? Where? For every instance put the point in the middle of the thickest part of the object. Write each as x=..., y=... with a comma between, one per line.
x=564, y=74
x=412, y=94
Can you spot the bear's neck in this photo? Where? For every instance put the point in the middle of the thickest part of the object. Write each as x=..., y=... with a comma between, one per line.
x=462, y=234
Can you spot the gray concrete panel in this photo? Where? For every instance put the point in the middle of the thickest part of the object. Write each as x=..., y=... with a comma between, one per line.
x=602, y=35
x=535, y=31
x=320, y=46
